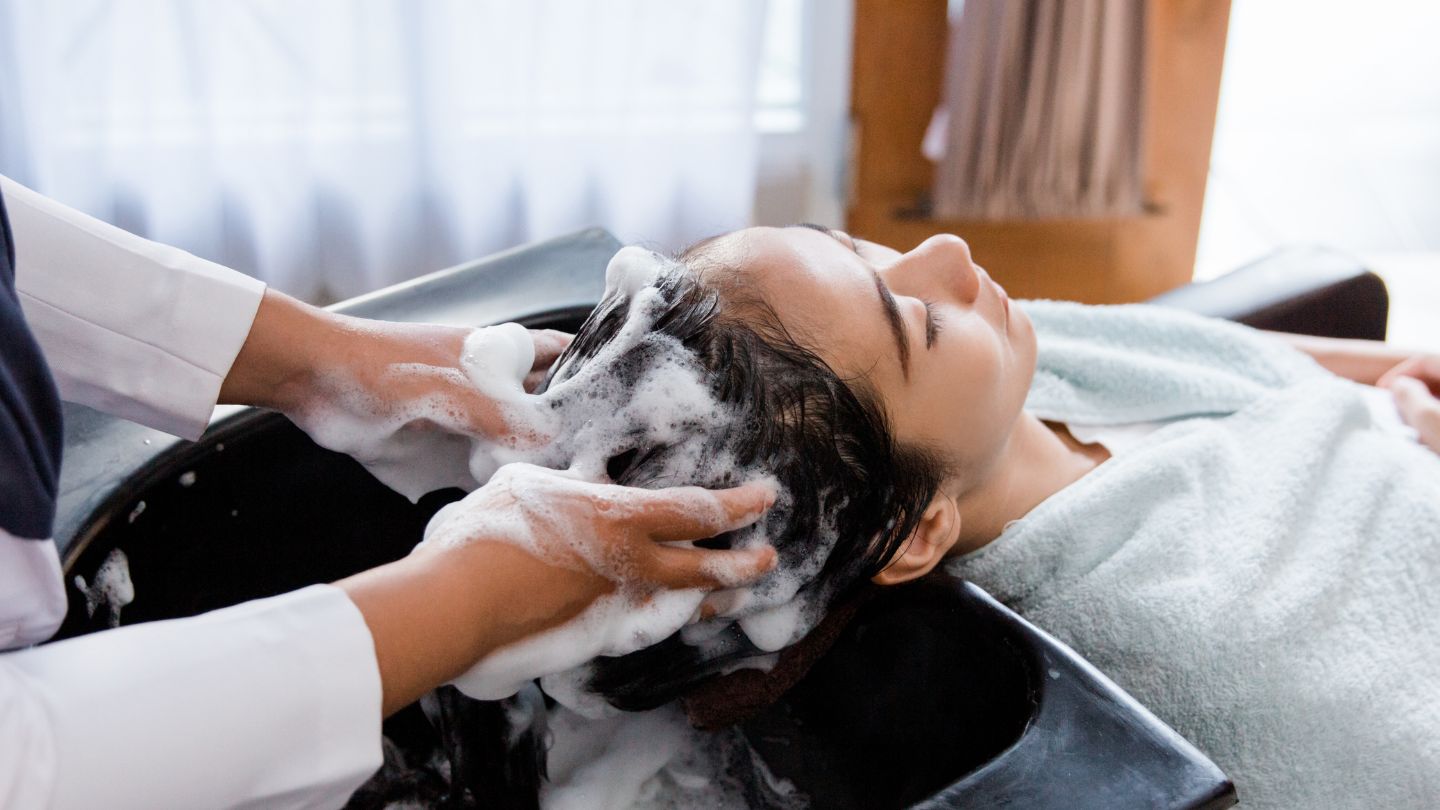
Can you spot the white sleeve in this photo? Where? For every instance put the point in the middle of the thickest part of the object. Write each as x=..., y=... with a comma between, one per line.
x=274, y=703
x=131, y=327
x=32, y=595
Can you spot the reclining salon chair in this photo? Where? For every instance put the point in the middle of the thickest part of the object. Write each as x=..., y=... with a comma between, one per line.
x=255, y=509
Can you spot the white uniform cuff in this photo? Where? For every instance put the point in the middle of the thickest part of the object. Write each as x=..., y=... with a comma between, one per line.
x=137, y=329
x=272, y=703
x=32, y=595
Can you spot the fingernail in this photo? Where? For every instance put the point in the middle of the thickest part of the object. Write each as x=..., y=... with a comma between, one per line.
x=772, y=559
x=771, y=488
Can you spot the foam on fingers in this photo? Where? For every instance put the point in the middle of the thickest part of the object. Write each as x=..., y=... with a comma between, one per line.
x=641, y=408
x=645, y=400
x=496, y=356
x=614, y=624
x=632, y=269
x=536, y=509
x=735, y=568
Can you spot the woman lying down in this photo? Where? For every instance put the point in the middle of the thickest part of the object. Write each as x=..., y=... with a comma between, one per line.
x=1244, y=541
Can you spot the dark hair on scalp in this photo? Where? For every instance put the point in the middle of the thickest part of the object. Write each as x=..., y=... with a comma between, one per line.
x=826, y=440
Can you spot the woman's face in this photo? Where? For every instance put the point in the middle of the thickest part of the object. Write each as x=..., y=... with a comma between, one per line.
x=932, y=335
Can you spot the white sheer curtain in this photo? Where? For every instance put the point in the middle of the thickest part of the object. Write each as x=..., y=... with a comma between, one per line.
x=1041, y=115
x=333, y=146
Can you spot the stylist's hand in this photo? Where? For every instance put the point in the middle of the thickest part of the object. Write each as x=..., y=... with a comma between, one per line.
x=385, y=367
x=1416, y=386
x=530, y=551
x=391, y=394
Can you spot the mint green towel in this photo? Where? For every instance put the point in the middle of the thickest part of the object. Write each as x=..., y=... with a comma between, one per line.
x=1266, y=581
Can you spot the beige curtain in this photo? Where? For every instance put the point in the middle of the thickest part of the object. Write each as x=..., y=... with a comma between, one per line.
x=1041, y=116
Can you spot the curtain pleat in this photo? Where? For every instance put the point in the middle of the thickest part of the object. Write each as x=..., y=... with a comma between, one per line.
x=1042, y=113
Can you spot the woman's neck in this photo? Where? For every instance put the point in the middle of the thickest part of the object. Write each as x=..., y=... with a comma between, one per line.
x=1040, y=460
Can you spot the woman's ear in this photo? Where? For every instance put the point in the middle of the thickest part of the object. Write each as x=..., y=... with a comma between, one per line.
x=938, y=530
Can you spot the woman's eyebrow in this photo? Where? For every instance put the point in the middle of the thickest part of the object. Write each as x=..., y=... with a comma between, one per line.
x=887, y=300
x=848, y=241
x=897, y=324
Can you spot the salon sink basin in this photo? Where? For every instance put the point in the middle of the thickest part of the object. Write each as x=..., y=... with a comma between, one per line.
x=935, y=696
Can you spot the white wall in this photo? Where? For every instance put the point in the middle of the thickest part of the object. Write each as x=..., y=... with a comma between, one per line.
x=802, y=172
x=1328, y=130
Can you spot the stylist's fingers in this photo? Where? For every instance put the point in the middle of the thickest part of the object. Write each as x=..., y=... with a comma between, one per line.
x=1419, y=408
x=692, y=513
x=468, y=412
x=1425, y=368
x=549, y=343
x=477, y=414
x=679, y=568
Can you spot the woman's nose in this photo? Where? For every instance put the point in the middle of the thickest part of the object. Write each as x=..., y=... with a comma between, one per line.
x=938, y=268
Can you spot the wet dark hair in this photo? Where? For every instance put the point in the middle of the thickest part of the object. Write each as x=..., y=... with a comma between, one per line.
x=826, y=439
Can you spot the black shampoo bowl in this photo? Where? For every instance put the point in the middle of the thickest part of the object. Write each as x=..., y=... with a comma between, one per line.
x=935, y=695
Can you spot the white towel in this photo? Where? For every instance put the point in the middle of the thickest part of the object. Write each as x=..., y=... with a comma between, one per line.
x=1268, y=582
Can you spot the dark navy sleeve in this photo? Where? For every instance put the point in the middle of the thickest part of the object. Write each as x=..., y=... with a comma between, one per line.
x=30, y=429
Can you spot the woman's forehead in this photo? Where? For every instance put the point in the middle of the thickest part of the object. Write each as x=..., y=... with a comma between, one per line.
x=820, y=290
x=780, y=257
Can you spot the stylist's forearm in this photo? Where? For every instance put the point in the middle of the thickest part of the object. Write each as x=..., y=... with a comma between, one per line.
x=274, y=365
x=1363, y=361
x=433, y=616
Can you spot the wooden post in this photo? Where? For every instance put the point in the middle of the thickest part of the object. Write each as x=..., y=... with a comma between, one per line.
x=898, y=72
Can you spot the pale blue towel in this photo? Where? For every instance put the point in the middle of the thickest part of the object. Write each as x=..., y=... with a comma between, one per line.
x=1121, y=364
x=1268, y=581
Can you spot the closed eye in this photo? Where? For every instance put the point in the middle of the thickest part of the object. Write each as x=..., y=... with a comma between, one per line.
x=932, y=323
